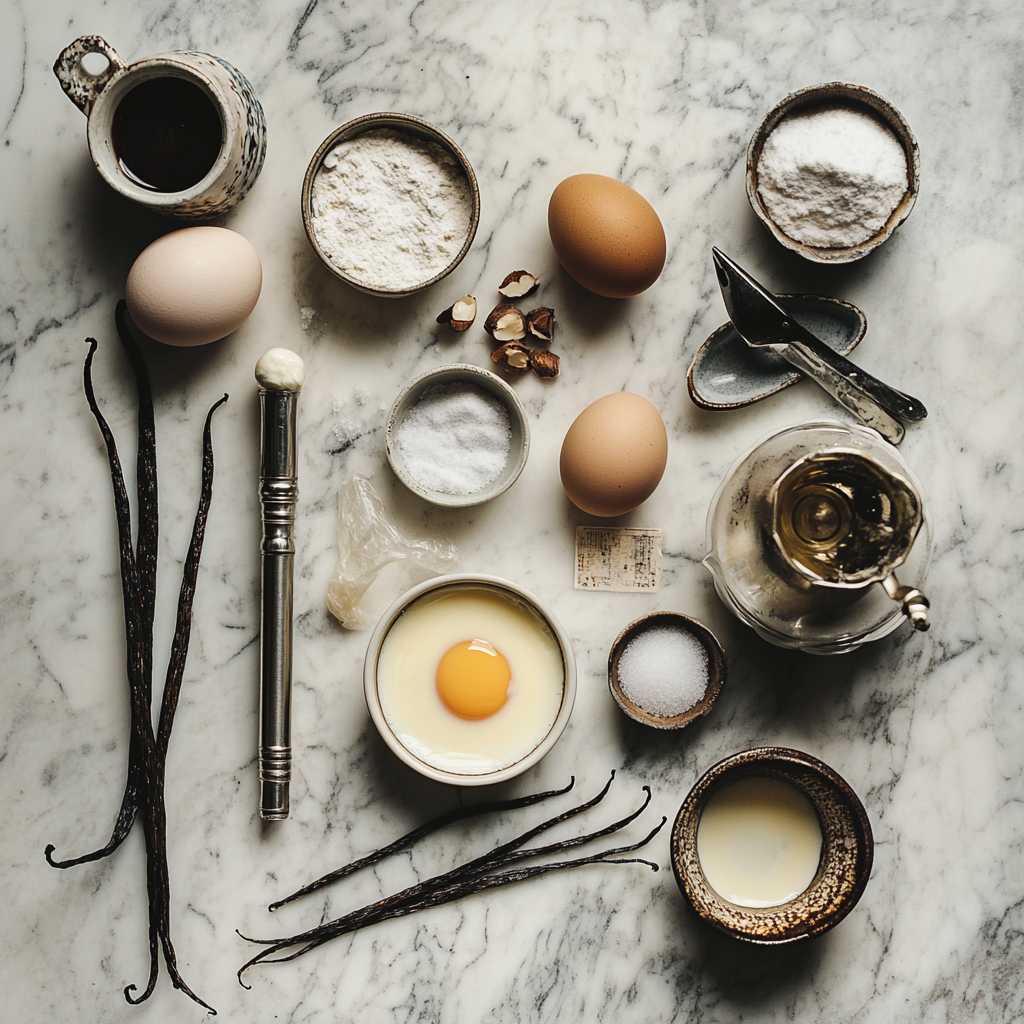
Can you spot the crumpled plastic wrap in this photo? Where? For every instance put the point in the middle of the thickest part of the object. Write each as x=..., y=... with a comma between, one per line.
x=367, y=542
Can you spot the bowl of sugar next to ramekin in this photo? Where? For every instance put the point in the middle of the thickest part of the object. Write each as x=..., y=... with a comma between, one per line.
x=469, y=679
x=390, y=204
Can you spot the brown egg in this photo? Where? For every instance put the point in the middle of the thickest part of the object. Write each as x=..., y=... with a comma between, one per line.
x=614, y=455
x=606, y=235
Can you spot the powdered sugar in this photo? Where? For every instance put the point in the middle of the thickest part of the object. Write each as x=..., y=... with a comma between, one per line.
x=455, y=440
x=831, y=177
x=390, y=210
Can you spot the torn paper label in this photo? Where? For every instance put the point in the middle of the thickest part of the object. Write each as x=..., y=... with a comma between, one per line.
x=618, y=558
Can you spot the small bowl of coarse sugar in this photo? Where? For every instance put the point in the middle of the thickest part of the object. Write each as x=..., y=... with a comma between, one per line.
x=457, y=435
x=390, y=204
x=832, y=171
x=666, y=669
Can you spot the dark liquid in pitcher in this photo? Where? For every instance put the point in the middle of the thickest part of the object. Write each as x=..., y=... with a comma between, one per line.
x=166, y=134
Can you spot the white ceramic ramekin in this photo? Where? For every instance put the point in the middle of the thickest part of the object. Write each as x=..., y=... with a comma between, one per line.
x=529, y=759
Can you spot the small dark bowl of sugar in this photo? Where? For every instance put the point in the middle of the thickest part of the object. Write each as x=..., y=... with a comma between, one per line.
x=666, y=669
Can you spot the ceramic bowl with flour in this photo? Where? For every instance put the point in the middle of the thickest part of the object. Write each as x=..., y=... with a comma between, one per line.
x=390, y=204
x=832, y=171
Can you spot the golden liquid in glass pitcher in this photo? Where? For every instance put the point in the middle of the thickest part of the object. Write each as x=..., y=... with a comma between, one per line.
x=839, y=517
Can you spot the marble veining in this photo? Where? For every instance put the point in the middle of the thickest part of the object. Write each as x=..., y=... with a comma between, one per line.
x=928, y=729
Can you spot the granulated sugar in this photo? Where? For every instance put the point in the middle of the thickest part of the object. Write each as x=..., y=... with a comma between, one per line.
x=664, y=671
x=832, y=177
x=390, y=210
x=455, y=439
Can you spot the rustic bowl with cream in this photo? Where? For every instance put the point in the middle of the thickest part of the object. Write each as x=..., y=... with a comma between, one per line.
x=832, y=171
x=772, y=846
x=469, y=679
x=390, y=204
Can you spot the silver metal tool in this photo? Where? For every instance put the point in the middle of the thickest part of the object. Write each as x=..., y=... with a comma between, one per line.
x=279, y=494
x=760, y=319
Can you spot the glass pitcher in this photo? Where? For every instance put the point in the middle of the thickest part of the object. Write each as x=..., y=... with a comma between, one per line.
x=806, y=532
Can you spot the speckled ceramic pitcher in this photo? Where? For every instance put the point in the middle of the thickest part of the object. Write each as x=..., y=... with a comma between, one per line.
x=243, y=140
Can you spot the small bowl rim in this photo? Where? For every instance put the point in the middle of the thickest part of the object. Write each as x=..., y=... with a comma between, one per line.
x=493, y=385
x=699, y=399
x=760, y=761
x=716, y=668
x=410, y=125
x=372, y=697
x=835, y=94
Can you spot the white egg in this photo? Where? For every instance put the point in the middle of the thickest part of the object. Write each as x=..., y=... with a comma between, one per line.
x=407, y=679
x=195, y=285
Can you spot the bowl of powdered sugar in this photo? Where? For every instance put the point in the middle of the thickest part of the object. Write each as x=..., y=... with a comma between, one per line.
x=457, y=435
x=832, y=171
x=666, y=669
x=390, y=204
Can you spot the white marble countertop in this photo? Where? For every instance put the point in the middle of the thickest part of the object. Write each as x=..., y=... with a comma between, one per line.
x=928, y=728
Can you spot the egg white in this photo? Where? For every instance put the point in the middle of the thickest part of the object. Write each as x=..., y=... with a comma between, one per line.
x=407, y=679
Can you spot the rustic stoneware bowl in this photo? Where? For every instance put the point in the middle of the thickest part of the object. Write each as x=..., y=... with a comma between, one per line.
x=727, y=373
x=846, y=855
x=372, y=696
x=460, y=373
x=836, y=94
x=407, y=125
x=716, y=668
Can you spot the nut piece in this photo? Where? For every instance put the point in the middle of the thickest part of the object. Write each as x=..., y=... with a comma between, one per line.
x=518, y=284
x=540, y=322
x=512, y=356
x=505, y=323
x=545, y=364
x=459, y=316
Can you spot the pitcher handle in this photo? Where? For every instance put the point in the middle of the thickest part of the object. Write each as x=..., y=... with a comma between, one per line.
x=82, y=88
x=915, y=604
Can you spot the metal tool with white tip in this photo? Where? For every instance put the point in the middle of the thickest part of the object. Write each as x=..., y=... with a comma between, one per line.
x=280, y=374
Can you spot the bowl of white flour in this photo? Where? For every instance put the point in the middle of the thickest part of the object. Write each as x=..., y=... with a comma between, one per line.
x=832, y=171
x=390, y=204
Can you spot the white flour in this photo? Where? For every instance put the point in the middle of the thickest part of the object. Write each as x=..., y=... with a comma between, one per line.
x=832, y=177
x=391, y=210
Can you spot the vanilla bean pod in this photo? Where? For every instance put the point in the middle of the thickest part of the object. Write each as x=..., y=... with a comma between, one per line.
x=486, y=883
x=513, y=844
x=501, y=856
x=132, y=625
x=156, y=820
x=495, y=858
x=377, y=913
x=459, y=814
x=147, y=751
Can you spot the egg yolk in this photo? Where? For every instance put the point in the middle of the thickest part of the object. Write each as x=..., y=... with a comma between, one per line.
x=473, y=679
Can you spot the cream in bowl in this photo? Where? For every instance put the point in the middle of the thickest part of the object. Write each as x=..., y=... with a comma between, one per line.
x=390, y=204
x=469, y=679
x=759, y=842
x=772, y=846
